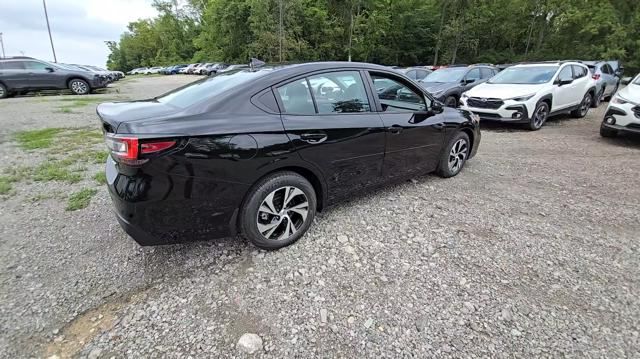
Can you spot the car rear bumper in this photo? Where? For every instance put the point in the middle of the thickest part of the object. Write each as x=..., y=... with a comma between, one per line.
x=163, y=209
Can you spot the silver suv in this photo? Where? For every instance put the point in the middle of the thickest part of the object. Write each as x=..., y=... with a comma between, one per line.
x=22, y=74
x=607, y=80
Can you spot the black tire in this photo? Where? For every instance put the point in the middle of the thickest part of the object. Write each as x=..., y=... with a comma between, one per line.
x=585, y=105
x=276, y=183
x=615, y=89
x=608, y=132
x=4, y=93
x=79, y=87
x=539, y=116
x=445, y=169
x=598, y=99
x=451, y=101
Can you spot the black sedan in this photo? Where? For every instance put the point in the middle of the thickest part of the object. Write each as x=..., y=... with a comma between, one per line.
x=260, y=151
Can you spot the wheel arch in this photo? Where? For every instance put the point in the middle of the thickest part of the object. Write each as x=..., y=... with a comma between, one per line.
x=548, y=99
x=469, y=131
x=77, y=77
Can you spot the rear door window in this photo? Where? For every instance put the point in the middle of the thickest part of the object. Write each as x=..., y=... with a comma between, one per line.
x=13, y=65
x=296, y=98
x=339, y=92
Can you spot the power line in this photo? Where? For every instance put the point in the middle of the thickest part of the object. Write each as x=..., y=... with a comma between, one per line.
x=44, y=4
x=2, y=45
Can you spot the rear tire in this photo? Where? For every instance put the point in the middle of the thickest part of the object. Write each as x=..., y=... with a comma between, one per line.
x=451, y=101
x=79, y=87
x=4, y=93
x=269, y=219
x=608, y=132
x=454, y=156
x=585, y=104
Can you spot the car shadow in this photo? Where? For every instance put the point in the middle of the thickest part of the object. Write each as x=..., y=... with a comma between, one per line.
x=627, y=140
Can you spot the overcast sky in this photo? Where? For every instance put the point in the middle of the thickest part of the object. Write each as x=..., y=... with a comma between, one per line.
x=79, y=27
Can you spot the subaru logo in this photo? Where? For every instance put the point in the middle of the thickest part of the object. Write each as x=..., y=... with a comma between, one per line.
x=484, y=100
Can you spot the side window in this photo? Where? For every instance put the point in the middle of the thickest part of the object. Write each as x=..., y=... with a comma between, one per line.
x=578, y=71
x=34, y=65
x=565, y=74
x=412, y=74
x=339, y=92
x=14, y=65
x=395, y=96
x=607, y=69
x=421, y=74
x=486, y=72
x=474, y=74
x=296, y=98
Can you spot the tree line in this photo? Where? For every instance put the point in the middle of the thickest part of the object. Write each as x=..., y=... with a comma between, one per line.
x=391, y=32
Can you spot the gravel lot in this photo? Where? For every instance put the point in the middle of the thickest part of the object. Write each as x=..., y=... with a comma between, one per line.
x=532, y=251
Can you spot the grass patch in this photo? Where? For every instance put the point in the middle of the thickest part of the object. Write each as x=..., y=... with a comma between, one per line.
x=100, y=177
x=64, y=110
x=56, y=171
x=80, y=199
x=31, y=140
x=6, y=185
x=91, y=156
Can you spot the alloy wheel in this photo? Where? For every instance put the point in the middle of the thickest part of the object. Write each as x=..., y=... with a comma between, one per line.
x=282, y=213
x=586, y=103
x=2, y=92
x=540, y=116
x=457, y=155
x=79, y=87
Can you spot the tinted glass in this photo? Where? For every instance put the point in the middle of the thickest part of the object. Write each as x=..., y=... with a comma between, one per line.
x=396, y=96
x=13, y=65
x=412, y=74
x=486, y=73
x=34, y=65
x=339, y=92
x=452, y=74
x=579, y=71
x=565, y=74
x=421, y=74
x=607, y=69
x=296, y=98
x=474, y=74
x=525, y=75
x=207, y=88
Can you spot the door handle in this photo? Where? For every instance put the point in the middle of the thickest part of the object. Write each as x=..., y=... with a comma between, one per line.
x=313, y=138
x=395, y=129
x=438, y=126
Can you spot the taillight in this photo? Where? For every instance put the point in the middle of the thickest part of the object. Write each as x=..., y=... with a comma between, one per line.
x=128, y=149
x=596, y=76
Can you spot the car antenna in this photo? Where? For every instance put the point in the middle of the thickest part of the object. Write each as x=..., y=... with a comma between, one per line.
x=255, y=63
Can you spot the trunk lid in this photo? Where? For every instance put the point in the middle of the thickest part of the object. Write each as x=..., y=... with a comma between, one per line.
x=114, y=114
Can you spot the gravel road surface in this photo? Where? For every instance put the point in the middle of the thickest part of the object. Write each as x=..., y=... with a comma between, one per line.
x=532, y=251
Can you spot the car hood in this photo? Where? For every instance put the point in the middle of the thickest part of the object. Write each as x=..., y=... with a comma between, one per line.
x=631, y=93
x=503, y=91
x=117, y=113
x=433, y=87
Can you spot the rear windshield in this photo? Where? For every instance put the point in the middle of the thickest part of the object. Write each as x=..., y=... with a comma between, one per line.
x=210, y=87
x=525, y=75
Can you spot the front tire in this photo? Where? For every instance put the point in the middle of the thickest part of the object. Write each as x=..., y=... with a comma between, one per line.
x=454, y=156
x=582, y=111
x=539, y=116
x=278, y=210
x=598, y=99
x=79, y=87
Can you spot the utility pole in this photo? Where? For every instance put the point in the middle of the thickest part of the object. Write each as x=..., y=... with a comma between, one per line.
x=2, y=45
x=44, y=4
x=280, y=30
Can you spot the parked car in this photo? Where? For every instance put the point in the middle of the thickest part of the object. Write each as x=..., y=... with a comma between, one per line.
x=623, y=112
x=111, y=77
x=219, y=156
x=22, y=74
x=529, y=93
x=214, y=68
x=191, y=68
x=607, y=80
x=234, y=67
x=152, y=70
x=416, y=73
x=137, y=71
x=448, y=84
x=172, y=70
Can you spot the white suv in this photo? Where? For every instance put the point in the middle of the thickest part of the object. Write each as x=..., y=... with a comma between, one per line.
x=529, y=93
x=623, y=113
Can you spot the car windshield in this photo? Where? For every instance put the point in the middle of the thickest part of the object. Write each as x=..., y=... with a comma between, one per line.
x=210, y=87
x=525, y=75
x=452, y=74
x=636, y=81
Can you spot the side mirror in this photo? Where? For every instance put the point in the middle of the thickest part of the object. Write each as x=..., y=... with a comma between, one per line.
x=437, y=107
x=49, y=69
x=563, y=82
x=468, y=81
x=625, y=80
